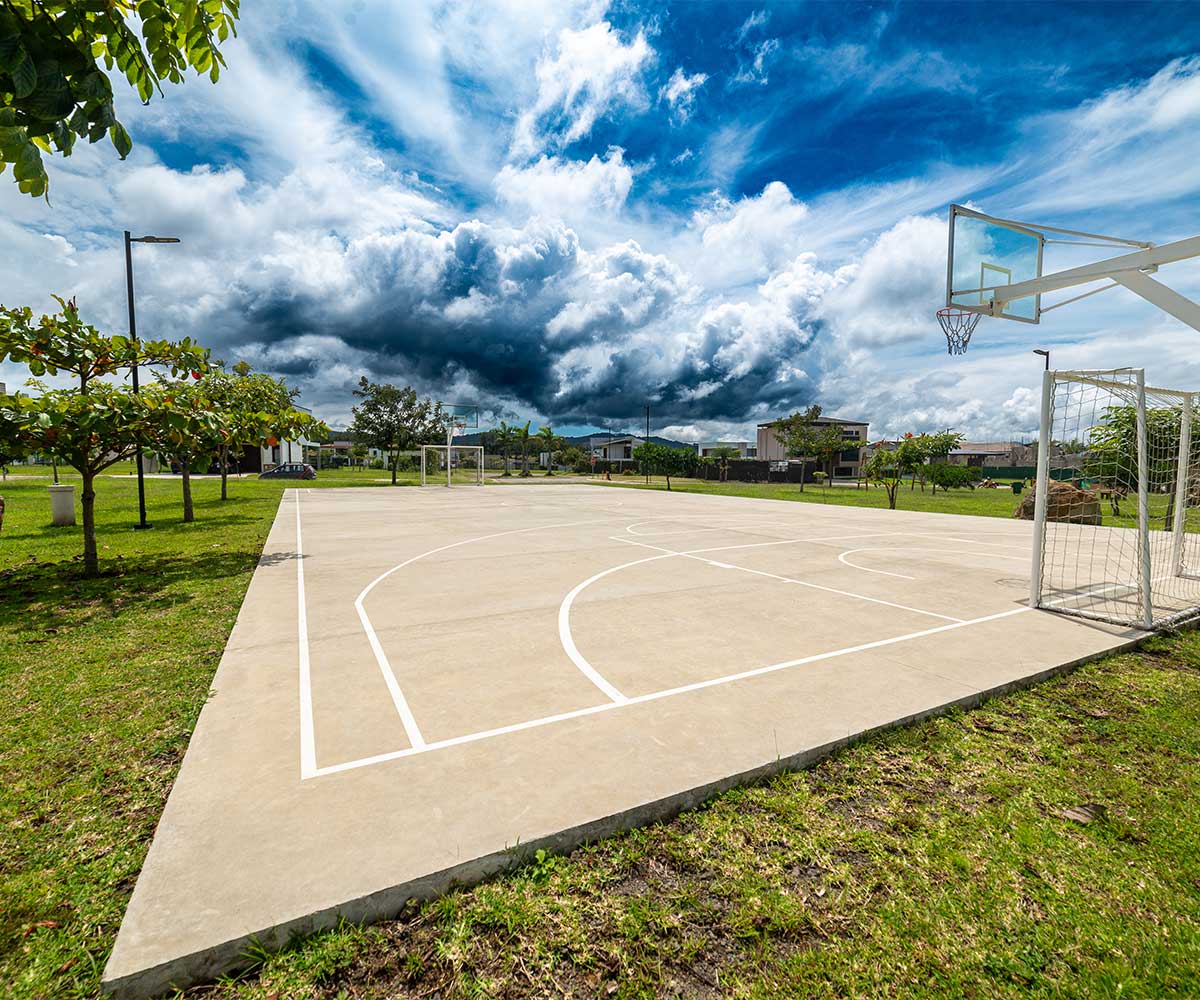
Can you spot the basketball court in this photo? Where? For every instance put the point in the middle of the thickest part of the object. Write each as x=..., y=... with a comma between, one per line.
x=425, y=684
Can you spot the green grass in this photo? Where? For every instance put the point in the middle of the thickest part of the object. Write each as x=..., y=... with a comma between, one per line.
x=999, y=502
x=932, y=861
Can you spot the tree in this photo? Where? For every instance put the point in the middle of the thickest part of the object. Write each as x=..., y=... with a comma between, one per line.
x=949, y=476
x=97, y=424
x=889, y=466
x=394, y=420
x=549, y=442
x=505, y=438
x=184, y=425
x=360, y=452
x=1111, y=454
x=53, y=88
x=254, y=406
x=804, y=438
x=661, y=460
x=524, y=438
x=722, y=455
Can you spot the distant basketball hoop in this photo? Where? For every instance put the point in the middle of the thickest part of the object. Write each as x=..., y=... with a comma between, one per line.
x=957, y=325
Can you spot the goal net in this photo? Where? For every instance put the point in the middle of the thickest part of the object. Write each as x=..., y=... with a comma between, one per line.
x=451, y=465
x=1117, y=510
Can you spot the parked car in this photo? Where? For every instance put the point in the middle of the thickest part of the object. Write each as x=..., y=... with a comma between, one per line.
x=290, y=470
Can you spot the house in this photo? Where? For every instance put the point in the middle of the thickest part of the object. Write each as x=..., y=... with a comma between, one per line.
x=744, y=448
x=848, y=464
x=617, y=450
x=993, y=454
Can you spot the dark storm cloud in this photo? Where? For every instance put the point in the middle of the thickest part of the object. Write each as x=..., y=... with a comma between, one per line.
x=527, y=318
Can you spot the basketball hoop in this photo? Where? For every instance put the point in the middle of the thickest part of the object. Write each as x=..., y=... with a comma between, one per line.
x=957, y=325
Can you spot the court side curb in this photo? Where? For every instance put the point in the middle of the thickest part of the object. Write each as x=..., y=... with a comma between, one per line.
x=231, y=956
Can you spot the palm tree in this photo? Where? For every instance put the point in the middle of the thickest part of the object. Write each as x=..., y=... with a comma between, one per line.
x=523, y=439
x=549, y=442
x=504, y=440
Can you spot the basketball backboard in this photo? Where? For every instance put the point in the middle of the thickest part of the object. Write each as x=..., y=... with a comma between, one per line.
x=464, y=415
x=986, y=252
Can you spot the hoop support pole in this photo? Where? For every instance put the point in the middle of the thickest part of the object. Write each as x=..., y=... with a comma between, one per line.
x=1041, y=492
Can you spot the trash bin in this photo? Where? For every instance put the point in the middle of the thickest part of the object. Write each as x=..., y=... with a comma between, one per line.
x=62, y=505
x=1018, y=488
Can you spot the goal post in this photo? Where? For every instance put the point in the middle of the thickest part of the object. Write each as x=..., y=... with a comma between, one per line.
x=1117, y=508
x=451, y=465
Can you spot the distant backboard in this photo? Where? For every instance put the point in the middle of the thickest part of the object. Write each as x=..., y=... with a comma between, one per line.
x=461, y=414
x=986, y=252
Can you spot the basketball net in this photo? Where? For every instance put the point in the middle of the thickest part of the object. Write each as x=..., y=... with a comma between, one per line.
x=957, y=325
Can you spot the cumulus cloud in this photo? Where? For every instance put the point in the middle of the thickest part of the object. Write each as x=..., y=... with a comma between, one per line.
x=592, y=73
x=680, y=93
x=568, y=189
x=890, y=292
x=745, y=240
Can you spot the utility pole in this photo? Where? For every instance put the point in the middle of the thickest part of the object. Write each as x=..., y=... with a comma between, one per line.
x=647, y=440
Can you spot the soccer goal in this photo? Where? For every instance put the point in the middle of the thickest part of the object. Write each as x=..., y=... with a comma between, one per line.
x=1117, y=510
x=450, y=465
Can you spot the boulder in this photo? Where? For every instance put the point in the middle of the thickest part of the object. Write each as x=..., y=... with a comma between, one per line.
x=1064, y=503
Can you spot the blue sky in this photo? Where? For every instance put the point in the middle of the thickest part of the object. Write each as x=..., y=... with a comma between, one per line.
x=563, y=211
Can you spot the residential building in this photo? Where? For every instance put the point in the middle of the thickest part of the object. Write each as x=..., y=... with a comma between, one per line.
x=744, y=448
x=618, y=450
x=847, y=465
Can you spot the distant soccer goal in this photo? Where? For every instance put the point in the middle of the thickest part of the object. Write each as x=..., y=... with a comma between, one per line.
x=1117, y=510
x=451, y=465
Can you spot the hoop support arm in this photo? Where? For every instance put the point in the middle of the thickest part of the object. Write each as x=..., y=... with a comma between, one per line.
x=1117, y=268
x=1167, y=299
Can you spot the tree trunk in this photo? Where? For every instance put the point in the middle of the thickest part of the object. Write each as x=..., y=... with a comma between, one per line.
x=91, y=562
x=223, y=458
x=803, y=467
x=668, y=484
x=395, y=461
x=891, y=493
x=185, y=470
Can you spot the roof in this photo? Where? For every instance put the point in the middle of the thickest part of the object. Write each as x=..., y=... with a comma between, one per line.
x=824, y=420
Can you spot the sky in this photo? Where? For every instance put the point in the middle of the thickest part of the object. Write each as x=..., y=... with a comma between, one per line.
x=566, y=211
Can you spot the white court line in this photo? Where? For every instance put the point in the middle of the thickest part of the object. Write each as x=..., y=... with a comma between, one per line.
x=866, y=569
x=911, y=548
x=656, y=695
x=787, y=579
x=385, y=667
x=308, y=745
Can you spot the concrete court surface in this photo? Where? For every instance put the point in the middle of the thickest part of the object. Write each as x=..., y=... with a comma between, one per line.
x=421, y=681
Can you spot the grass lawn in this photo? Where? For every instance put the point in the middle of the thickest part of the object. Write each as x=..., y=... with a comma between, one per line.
x=999, y=502
x=940, y=860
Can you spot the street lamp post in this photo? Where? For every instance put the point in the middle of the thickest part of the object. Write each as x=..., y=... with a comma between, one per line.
x=1044, y=354
x=129, y=241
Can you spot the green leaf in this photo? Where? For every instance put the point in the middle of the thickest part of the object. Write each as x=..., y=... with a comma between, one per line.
x=52, y=99
x=120, y=140
x=24, y=77
x=94, y=87
x=12, y=52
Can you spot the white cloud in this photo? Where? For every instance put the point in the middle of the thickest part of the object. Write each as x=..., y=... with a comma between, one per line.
x=756, y=20
x=568, y=189
x=680, y=93
x=593, y=73
x=762, y=56
x=748, y=239
x=888, y=296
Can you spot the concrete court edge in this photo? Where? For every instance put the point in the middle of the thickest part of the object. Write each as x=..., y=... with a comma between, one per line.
x=232, y=956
